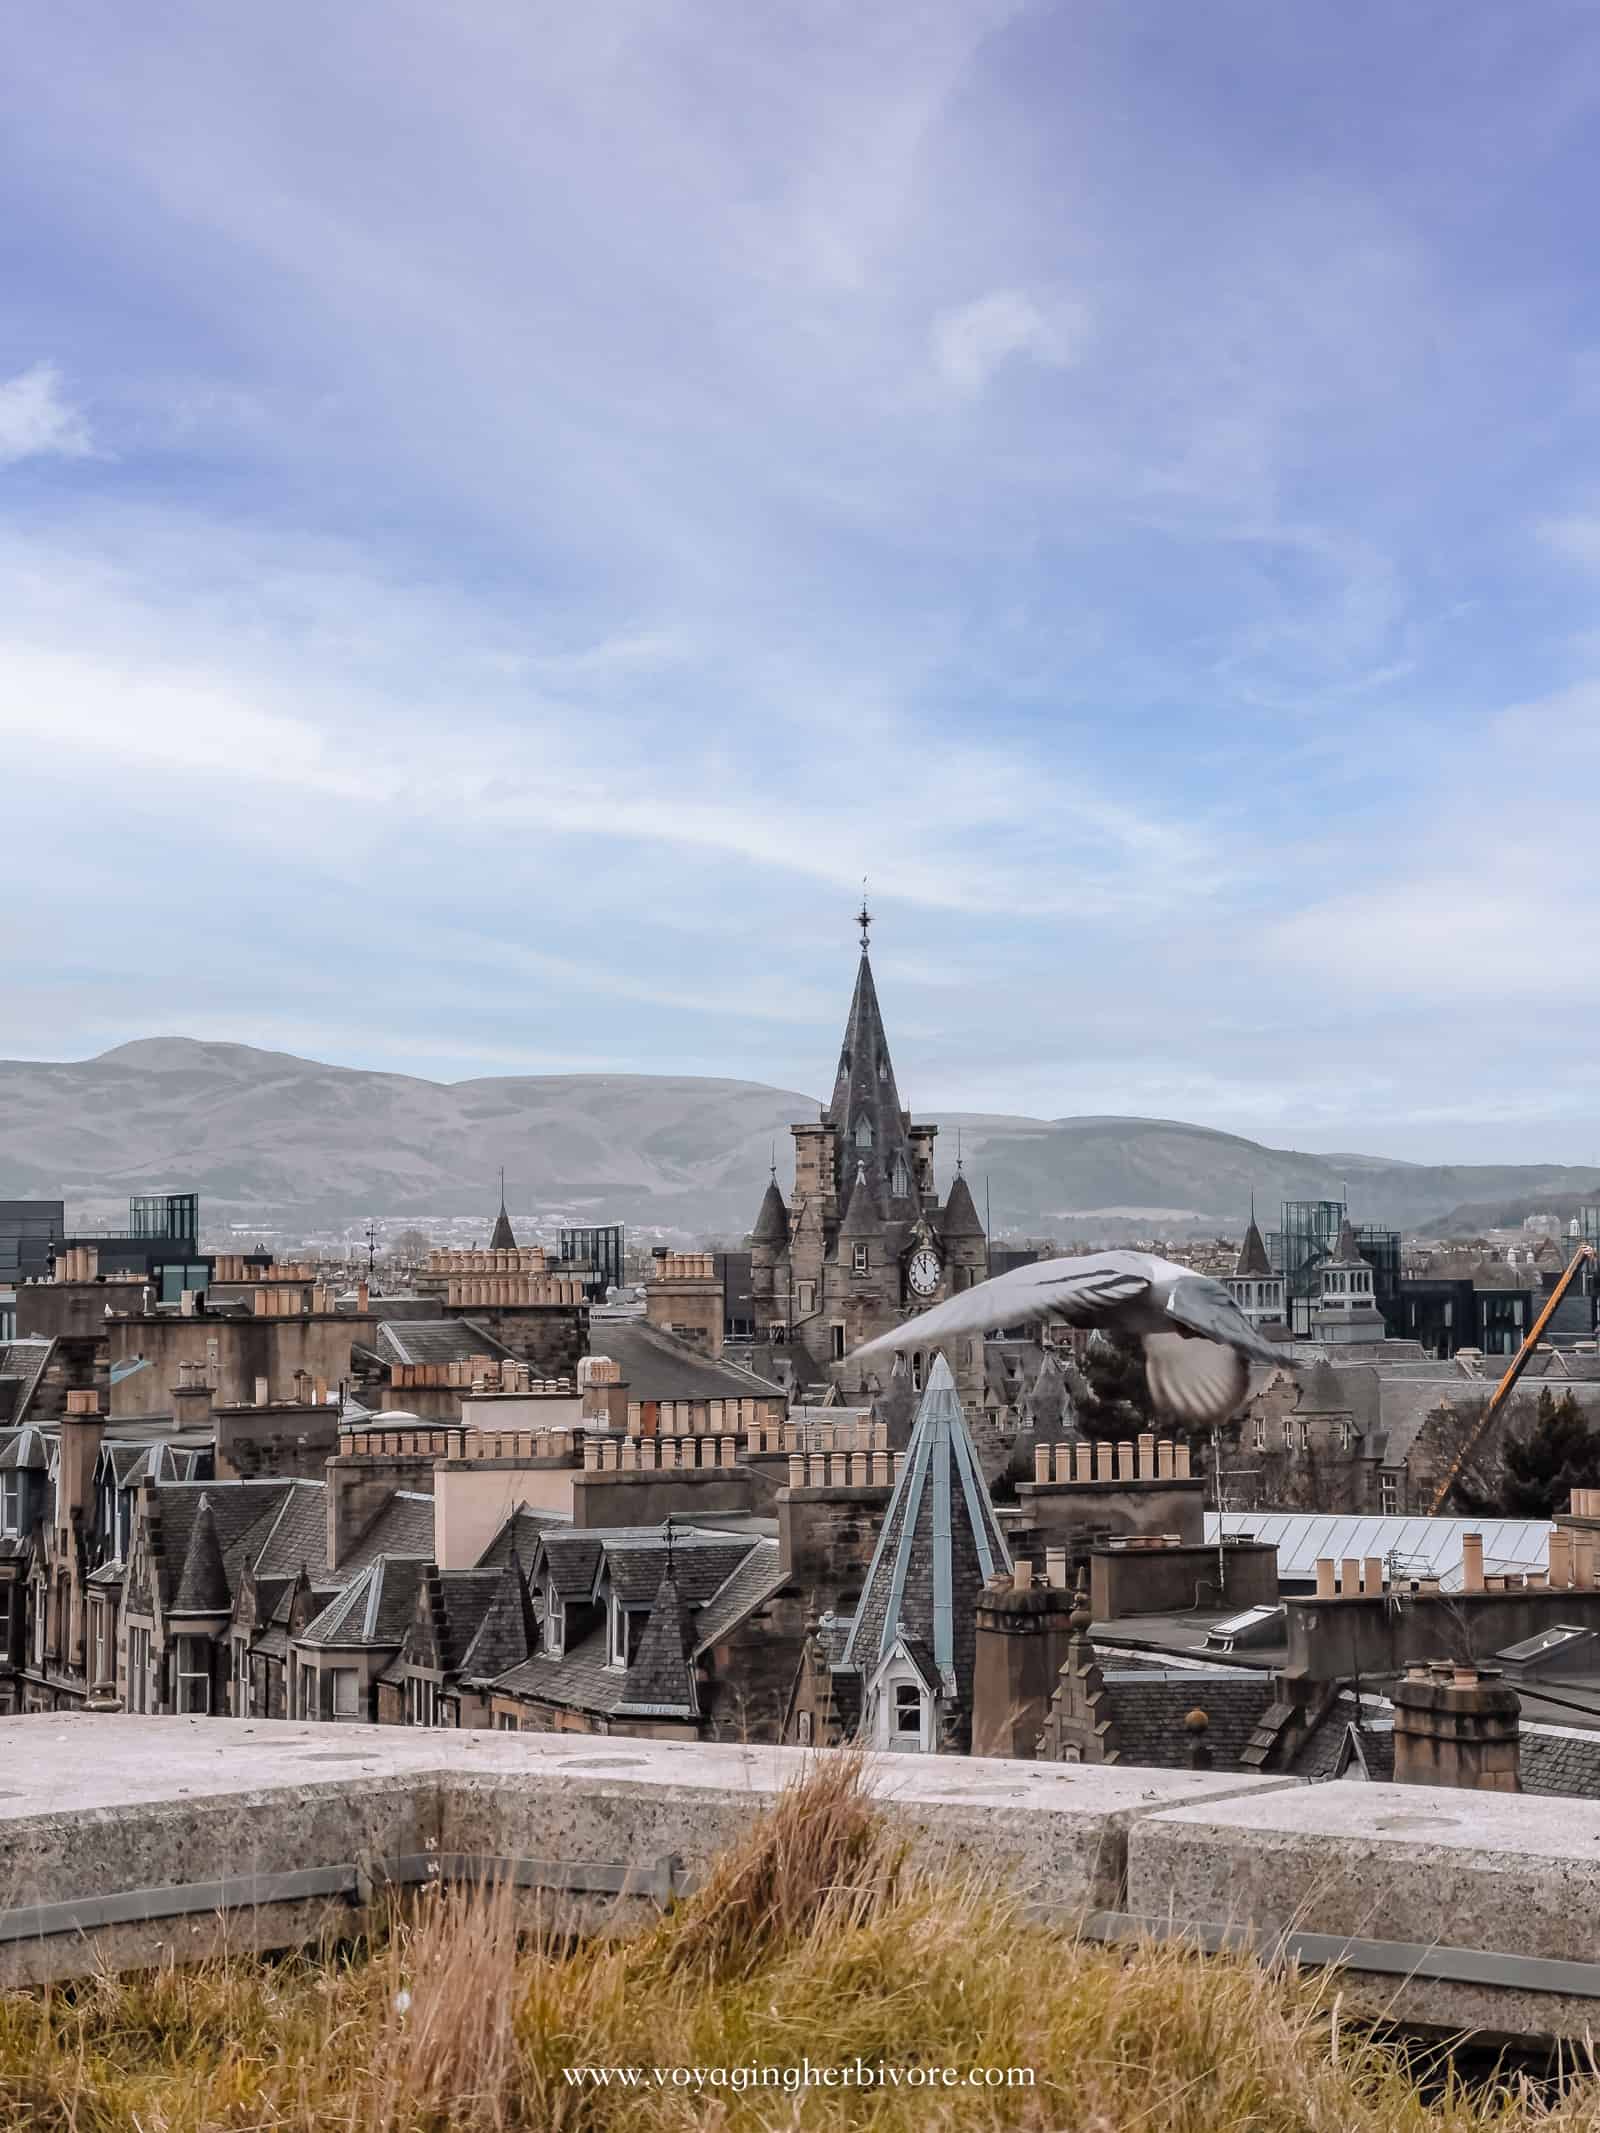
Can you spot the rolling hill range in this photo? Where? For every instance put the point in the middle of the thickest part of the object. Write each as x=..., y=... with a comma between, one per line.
x=266, y=1136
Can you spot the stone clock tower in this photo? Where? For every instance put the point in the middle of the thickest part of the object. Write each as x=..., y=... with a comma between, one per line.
x=863, y=1241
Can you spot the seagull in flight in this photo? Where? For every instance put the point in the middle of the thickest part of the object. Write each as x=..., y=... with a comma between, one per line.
x=1197, y=1343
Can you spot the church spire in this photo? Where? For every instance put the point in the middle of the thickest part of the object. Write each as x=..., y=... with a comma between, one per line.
x=870, y=1133
x=503, y=1238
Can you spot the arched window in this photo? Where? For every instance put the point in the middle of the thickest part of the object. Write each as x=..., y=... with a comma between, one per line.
x=864, y=1133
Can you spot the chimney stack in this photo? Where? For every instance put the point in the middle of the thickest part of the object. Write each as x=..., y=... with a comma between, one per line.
x=1457, y=1725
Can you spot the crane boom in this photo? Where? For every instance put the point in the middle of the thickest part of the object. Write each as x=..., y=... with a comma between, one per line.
x=1585, y=1254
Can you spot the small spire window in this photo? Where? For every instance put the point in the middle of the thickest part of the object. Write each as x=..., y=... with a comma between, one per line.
x=864, y=1133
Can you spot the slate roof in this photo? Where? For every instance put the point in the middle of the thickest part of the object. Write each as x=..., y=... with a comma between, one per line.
x=434, y=1340
x=403, y=1526
x=939, y=1546
x=753, y=1583
x=375, y=1608
x=960, y=1217
x=203, y=1587
x=1148, y=1710
x=25, y=1451
x=864, y=1095
x=1252, y=1263
x=702, y=1563
x=580, y=1680
x=656, y=1366
x=502, y=1238
x=460, y=1600
x=243, y=1513
x=508, y=1632
x=22, y=1365
x=520, y=1534
x=772, y=1223
x=660, y=1680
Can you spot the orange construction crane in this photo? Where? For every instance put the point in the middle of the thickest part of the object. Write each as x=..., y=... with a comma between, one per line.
x=1584, y=1255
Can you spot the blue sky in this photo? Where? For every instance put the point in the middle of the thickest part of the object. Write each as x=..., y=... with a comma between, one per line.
x=508, y=512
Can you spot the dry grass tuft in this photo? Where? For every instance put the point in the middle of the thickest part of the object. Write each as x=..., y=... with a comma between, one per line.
x=811, y=1940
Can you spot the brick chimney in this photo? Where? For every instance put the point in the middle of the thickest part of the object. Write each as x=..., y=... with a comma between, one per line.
x=1023, y=1631
x=1457, y=1725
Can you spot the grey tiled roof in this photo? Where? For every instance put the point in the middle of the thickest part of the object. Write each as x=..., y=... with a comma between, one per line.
x=702, y=1563
x=403, y=1526
x=579, y=1681
x=203, y=1586
x=656, y=1366
x=434, y=1340
x=1561, y=1760
x=940, y=1536
x=1147, y=1714
x=660, y=1679
x=22, y=1365
x=755, y=1580
x=520, y=1533
x=24, y=1450
x=374, y=1609
x=509, y=1631
x=572, y=1559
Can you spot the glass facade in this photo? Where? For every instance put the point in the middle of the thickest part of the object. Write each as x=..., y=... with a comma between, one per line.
x=169, y=1216
x=598, y=1252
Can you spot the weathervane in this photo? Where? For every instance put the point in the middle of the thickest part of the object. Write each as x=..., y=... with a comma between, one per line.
x=864, y=916
x=958, y=1151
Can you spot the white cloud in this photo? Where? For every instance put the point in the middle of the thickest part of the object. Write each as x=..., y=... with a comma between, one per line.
x=971, y=343
x=36, y=420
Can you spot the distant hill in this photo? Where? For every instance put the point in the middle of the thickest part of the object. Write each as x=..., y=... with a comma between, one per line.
x=266, y=1137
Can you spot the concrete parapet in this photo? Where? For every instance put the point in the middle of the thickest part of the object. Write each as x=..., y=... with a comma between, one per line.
x=103, y=1805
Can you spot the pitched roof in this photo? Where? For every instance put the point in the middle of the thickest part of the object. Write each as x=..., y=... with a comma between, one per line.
x=203, y=1587
x=1147, y=1710
x=864, y=1111
x=939, y=1546
x=660, y=1681
x=960, y=1217
x=749, y=1586
x=509, y=1630
x=1252, y=1263
x=657, y=1366
x=375, y=1608
x=772, y=1223
x=1346, y=1251
x=502, y=1238
x=518, y=1536
x=434, y=1340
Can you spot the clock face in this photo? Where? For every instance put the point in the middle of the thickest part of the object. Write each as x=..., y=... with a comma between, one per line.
x=922, y=1275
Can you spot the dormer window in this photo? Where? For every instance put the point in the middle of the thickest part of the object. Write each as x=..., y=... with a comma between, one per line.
x=11, y=1503
x=907, y=1711
x=617, y=1633
x=555, y=1624
x=864, y=1133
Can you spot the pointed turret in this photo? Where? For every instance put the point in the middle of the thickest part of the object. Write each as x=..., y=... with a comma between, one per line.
x=939, y=1546
x=509, y=1631
x=1253, y=1263
x=1346, y=1252
x=203, y=1580
x=869, y=1125
x=503, y=1238
x=772, y=1223
x=661, y=1681
x=863, y=1217
x=960, y=1217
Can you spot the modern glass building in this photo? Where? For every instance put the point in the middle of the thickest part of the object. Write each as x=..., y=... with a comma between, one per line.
x=598, y=1254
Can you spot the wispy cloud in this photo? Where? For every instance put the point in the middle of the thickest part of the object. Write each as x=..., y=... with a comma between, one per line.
x=36, y=419
x=566, y=499
x=972, y=342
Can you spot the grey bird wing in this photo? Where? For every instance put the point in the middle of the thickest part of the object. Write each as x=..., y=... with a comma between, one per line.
x=1201, y=1306
x=1082, y=1292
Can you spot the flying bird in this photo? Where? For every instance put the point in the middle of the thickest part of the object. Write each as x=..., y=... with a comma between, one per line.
x=1197, y=1343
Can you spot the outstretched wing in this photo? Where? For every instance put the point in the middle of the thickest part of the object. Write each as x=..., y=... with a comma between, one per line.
x=1203, y=1306
x=1082, y=1292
